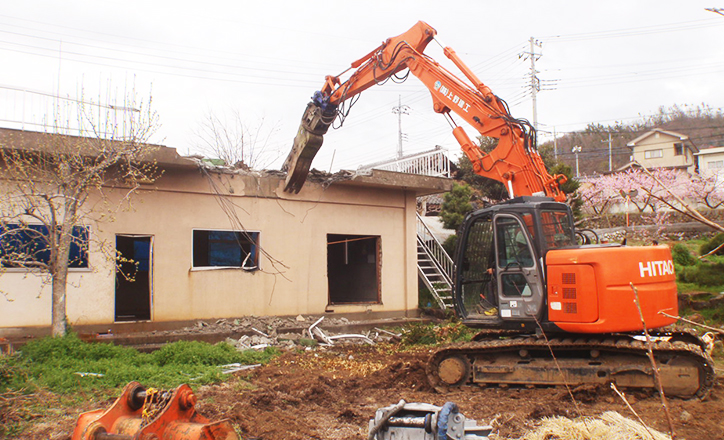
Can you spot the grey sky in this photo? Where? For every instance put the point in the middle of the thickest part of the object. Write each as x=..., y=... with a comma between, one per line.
x=601, y=62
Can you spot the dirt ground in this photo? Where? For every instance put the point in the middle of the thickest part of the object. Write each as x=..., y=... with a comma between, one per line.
x=331, y=393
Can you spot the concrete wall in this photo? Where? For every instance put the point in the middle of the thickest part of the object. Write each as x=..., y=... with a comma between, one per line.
x=293, y=232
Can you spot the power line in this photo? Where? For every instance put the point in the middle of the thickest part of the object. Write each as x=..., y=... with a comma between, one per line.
x=642, y=30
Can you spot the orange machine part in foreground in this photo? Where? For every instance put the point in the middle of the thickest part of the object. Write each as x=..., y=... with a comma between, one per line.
x=140, y=414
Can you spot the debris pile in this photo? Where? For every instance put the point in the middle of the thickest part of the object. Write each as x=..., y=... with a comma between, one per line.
x=307, y=336
x=270, y=325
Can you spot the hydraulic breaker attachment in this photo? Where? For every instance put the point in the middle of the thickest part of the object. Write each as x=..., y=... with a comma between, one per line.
x=315, y=122
x=422, y=421
x=146, y=414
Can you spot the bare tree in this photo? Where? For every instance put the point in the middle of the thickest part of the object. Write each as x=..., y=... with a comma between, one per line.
x=235, y=142
x=55, y=185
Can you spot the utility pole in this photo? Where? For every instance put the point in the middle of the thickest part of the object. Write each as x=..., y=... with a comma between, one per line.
x=400, y=110
x=534, y=81
x=610, y=158
x=575, y=151
x=555, y=144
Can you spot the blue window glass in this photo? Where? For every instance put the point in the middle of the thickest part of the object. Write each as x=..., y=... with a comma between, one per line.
x=28, y=244
x=225, y=249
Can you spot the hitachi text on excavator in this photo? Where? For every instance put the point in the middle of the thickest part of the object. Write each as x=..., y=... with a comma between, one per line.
x=552, y=312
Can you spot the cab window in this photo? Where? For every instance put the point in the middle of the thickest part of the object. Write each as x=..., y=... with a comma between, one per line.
x=557, y=229
x=513, y=246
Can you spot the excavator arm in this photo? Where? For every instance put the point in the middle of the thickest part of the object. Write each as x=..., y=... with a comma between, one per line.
x=514, y=161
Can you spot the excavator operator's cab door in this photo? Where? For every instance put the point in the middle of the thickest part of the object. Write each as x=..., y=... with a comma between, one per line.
x=498, y=274
x=517, y=272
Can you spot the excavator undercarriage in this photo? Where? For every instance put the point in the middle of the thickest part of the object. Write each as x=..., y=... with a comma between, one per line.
x=511, y=359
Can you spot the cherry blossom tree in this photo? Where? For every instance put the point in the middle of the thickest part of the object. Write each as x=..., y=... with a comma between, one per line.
x=658, y=192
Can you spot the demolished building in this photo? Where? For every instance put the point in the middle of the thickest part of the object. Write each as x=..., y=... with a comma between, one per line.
x=213, y=242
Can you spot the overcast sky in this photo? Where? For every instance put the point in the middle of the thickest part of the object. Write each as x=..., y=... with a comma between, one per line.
x=600, y=62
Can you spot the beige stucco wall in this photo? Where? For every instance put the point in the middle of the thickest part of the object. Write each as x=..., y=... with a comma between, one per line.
x=664, y=142
x=705, y=158
x=293, y=230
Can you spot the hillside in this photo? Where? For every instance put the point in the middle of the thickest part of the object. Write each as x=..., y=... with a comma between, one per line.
x=703, y=125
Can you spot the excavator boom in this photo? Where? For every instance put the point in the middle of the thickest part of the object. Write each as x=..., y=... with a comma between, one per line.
x=515, y=161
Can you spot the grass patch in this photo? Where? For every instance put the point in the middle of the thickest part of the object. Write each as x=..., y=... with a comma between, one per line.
x=694, y=274
x=432, y=334
x=69, y=365
x=702, y=274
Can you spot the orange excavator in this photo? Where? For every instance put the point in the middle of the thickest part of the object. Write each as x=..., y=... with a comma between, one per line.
x=551, y=312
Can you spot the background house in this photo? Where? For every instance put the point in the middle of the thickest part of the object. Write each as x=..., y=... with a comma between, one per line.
x=664, y=149
x=711, y=161
x=216, y=242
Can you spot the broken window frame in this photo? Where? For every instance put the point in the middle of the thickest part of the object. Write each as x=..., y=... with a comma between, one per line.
x=332, y=298
x=248, y=258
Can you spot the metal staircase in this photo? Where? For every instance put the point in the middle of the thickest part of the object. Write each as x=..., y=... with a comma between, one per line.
x=434, y=266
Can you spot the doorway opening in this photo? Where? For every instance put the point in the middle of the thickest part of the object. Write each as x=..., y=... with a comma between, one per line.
x=353, y=268
x=134, y=277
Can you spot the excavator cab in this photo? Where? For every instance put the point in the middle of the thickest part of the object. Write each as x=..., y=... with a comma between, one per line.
x=500, y=278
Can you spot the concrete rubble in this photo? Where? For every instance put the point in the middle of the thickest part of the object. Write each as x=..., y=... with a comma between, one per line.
x=280, y=333
x=259, y=332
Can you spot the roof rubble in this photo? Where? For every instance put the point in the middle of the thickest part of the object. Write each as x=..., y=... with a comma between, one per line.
x=315, y=175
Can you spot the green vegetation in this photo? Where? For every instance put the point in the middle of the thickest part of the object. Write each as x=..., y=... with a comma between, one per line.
x=712, y=244
x=456, y=205
x=703, y=274
x=450, y=243
x=432, y=334
x=425, y=299
x=682, y=256
x=68, y=365
x=699, y=275
x=700, y=281
x=69, y=371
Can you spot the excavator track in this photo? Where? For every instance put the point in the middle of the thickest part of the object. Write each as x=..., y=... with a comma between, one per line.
x=686, y=370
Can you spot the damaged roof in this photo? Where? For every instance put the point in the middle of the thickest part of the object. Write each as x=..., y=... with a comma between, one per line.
x=167, y=157
x=47, y=142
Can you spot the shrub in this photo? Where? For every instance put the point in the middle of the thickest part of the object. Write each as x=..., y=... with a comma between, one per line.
x=449, y=244
x=456, y=205
x=429, y=334
x=703, y=274
x=425, y=299
x=13, y=375
x=712, y=244
x=682, y=256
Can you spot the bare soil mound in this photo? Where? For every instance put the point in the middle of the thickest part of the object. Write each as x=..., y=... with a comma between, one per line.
x=332, y=394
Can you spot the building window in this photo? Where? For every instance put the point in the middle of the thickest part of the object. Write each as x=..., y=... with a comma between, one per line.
x=653, y=154
x=715, y=164
x=26, y=245
x=226, y=249
x=678, y=149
